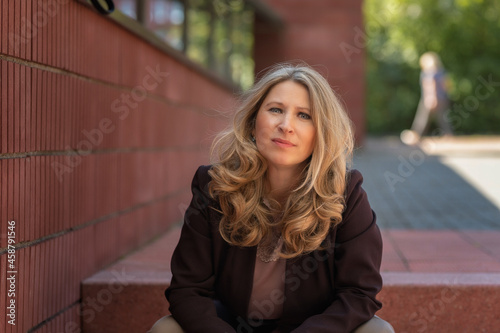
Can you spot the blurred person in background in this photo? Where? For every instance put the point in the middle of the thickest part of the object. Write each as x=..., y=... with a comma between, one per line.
x=434, y=101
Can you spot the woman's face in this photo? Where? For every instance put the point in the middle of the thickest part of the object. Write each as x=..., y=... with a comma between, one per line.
x=284, y=131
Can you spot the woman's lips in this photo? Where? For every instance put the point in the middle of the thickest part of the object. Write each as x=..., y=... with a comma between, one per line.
x=283, y=143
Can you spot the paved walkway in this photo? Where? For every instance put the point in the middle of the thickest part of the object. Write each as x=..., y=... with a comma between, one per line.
x=438, y=204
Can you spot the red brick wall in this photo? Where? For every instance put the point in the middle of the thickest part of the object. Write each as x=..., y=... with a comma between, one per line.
x=65, y=83
x=326, y=34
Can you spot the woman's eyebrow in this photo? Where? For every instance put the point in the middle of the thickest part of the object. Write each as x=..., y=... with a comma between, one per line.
x=301, y=108
x=273, y=102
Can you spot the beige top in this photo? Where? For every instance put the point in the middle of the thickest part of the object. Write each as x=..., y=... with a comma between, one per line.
x=268, y=291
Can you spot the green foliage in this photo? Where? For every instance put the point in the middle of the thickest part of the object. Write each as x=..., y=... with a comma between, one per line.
x=220, y=37
x=465, y=33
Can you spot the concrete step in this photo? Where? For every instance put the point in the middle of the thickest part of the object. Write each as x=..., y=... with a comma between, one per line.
x=128, y=296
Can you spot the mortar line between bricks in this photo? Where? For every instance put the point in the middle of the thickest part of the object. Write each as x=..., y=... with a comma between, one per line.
x=100, y=151
x=398, y=250
x=59, y=71
x=46, y=321
x=43, y=239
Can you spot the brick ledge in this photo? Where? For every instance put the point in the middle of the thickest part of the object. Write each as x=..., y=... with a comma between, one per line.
x=128, y=296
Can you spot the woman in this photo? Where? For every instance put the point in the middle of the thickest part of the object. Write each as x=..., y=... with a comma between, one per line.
x=279, y=236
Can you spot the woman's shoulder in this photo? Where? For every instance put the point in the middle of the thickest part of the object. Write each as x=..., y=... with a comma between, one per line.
x=354, y=181
x=355, y=196
x=354, y=173
x=200, y=184
x=202, y=172
x=201, y=178
x=357, y=216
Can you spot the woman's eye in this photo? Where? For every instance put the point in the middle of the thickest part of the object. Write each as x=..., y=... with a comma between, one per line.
x=304, y=116
x=275, y=110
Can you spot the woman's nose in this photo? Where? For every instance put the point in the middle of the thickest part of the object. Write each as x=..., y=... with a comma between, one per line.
x=286, y=125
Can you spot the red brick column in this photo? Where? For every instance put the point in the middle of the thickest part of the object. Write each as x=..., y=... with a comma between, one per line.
x=326, y=34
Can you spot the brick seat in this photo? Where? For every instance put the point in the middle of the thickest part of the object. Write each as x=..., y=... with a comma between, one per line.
x=441, y=302
x=128, y=296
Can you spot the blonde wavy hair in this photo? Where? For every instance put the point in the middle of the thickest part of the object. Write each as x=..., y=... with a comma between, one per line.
x=238, y=173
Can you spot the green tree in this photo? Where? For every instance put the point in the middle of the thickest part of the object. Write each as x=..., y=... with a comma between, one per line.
x=465, y=33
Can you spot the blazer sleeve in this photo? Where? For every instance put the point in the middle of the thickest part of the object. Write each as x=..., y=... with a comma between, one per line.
x=191, y=291
x=356, y=261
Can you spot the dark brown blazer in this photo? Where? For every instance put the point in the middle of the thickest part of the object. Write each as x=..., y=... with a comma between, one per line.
x=332, y=290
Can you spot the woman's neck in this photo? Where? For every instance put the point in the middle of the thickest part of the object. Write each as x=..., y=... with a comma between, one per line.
x=280, y=182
